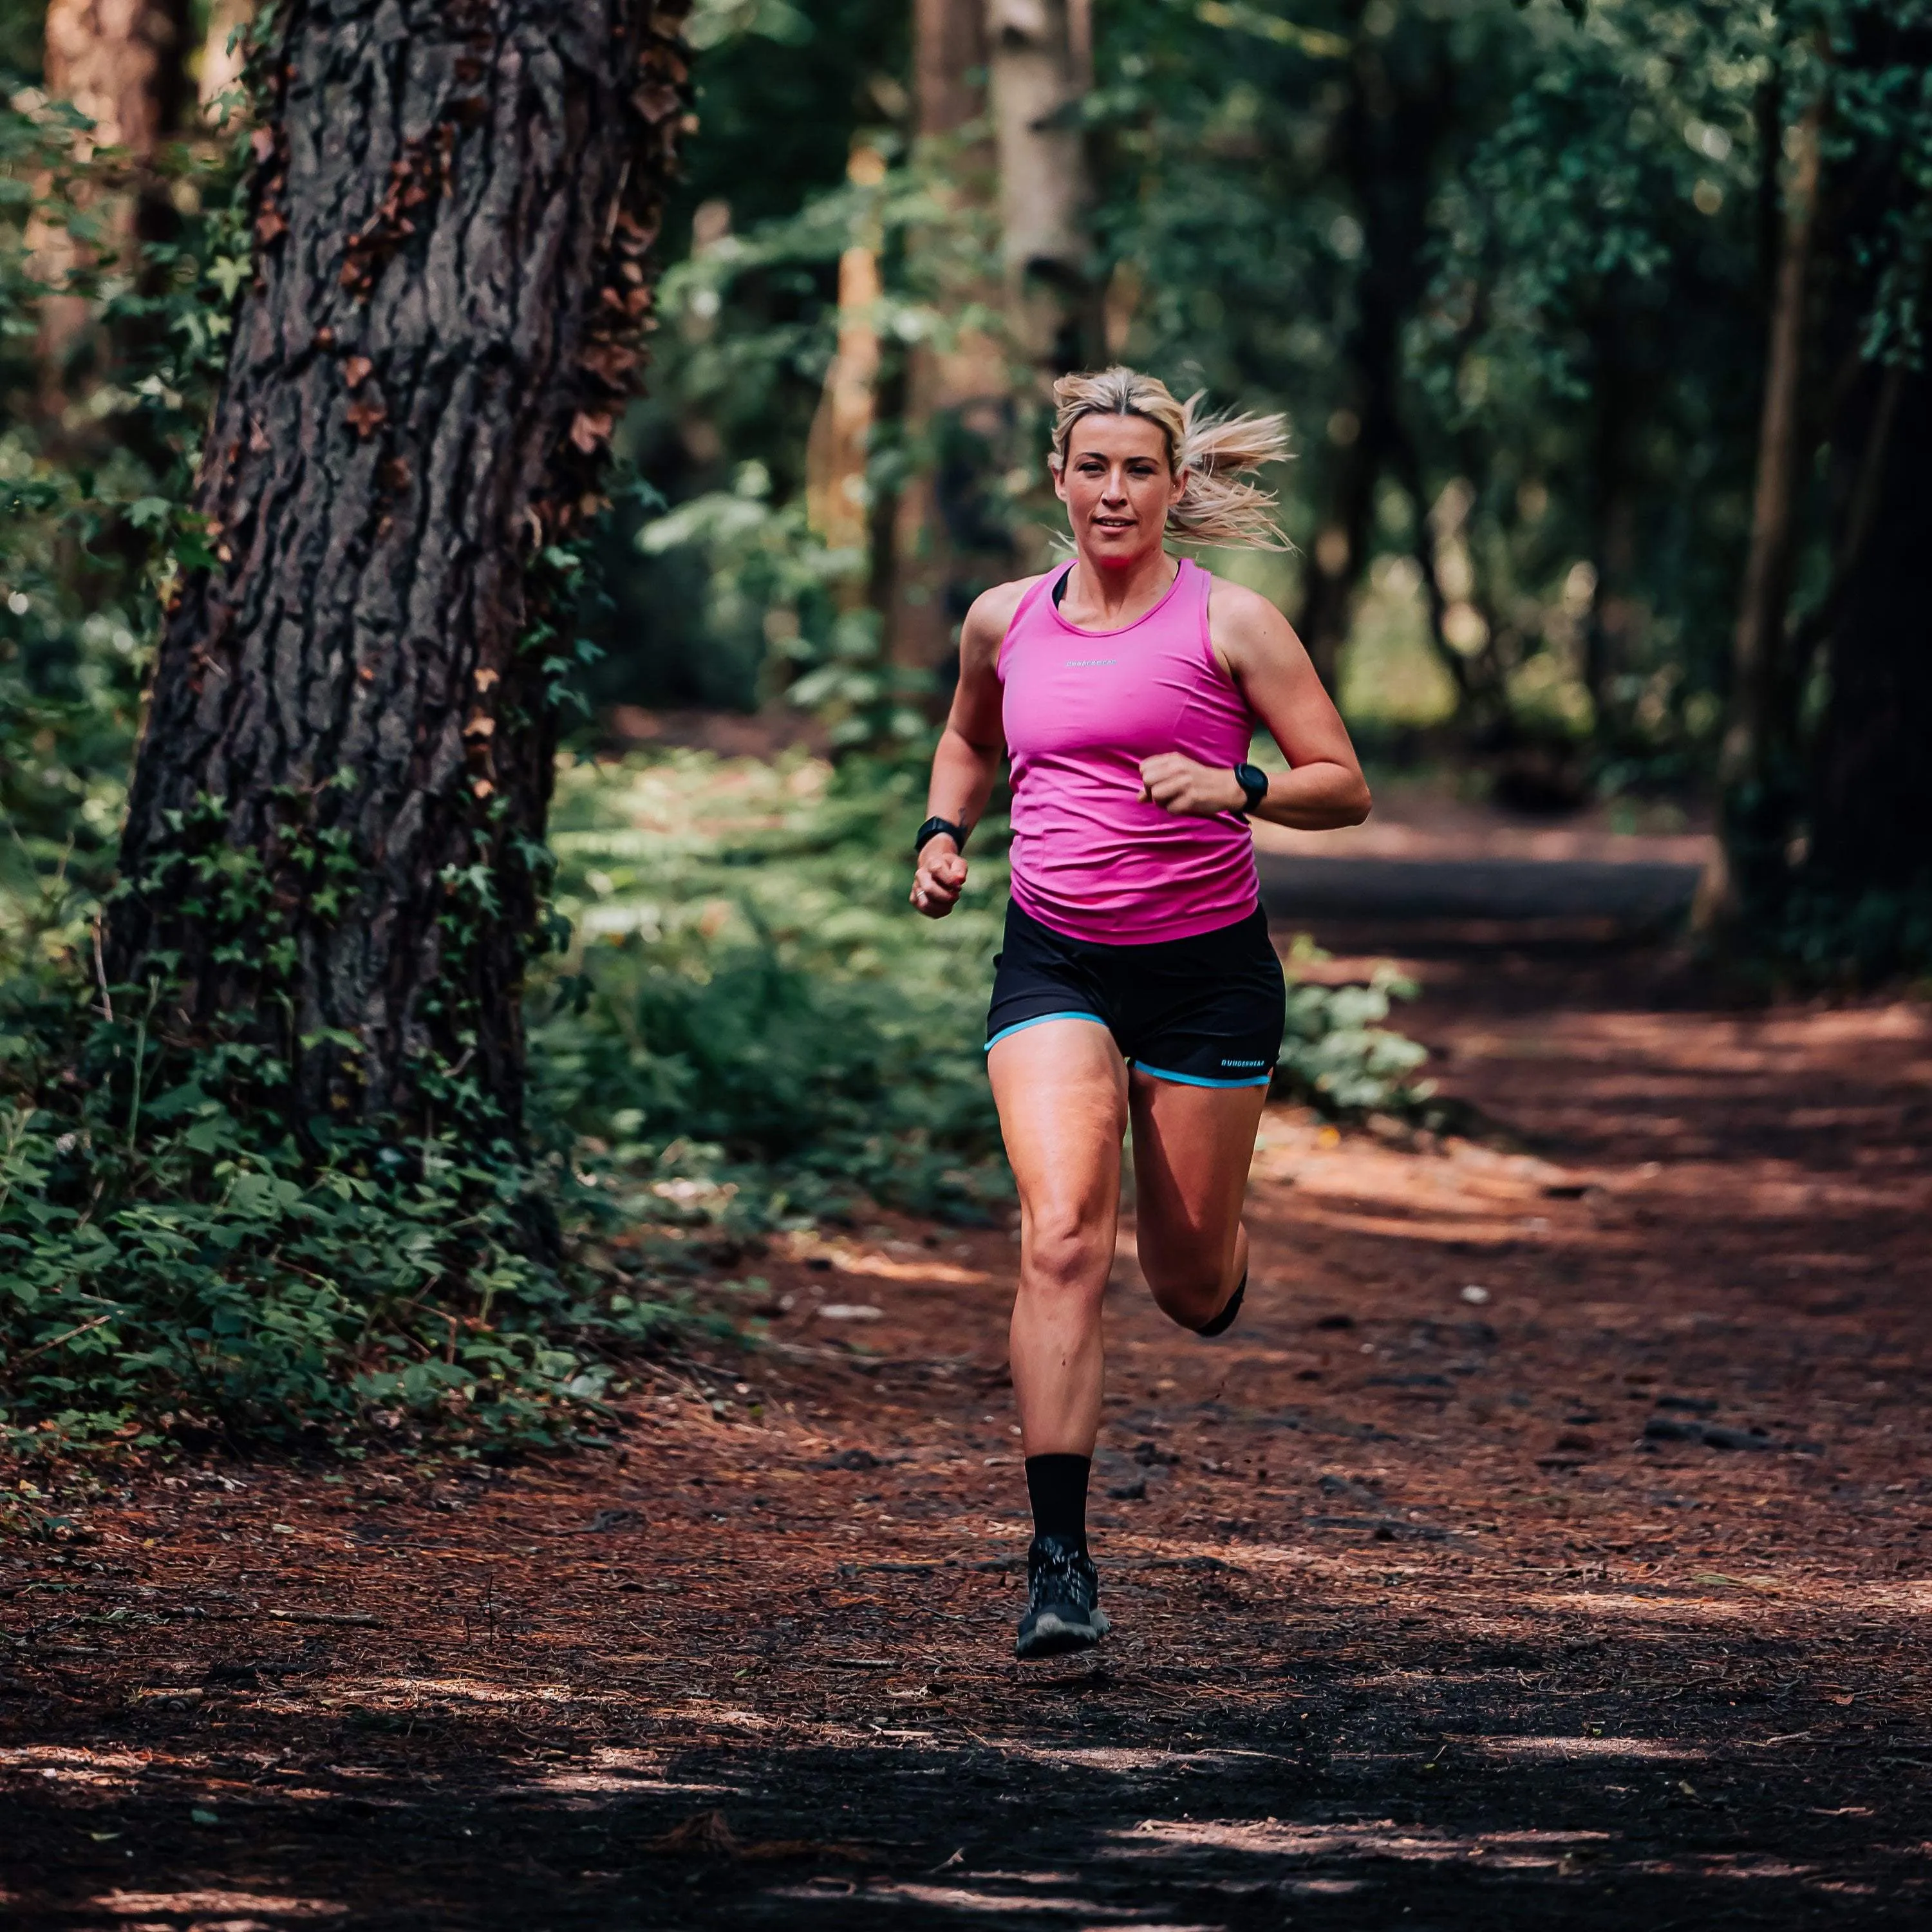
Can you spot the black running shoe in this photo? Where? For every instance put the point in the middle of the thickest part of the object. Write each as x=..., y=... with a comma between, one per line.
x=1062, y=1611
x=1231, y=1307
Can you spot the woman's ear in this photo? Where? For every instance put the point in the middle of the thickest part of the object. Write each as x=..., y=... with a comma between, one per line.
x=1057, y=471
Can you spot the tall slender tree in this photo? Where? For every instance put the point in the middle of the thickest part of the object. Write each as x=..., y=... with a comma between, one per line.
x=333, y=855
x=1384, y=144
x=957, y=389
x=121, y=64
x=841, y=427
x=1039, y=65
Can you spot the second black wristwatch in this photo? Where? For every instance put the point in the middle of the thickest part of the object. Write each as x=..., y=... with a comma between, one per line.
x=1254, y=781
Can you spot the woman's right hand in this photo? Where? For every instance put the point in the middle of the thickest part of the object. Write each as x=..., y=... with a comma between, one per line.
x=940, y=876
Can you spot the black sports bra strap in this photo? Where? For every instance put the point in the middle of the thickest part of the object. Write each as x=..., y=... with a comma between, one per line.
x=1060, y=588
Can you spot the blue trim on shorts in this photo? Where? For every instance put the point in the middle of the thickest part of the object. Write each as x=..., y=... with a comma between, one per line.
x=1040, y=1019
x=1195, y=1080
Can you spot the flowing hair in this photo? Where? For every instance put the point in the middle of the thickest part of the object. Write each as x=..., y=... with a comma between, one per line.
x=1213, y=453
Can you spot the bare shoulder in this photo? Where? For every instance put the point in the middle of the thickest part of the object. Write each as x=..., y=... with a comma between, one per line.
x=1247, y=630
x=992, y=611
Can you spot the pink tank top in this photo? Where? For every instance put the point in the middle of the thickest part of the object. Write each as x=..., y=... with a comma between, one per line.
x=1081, y=708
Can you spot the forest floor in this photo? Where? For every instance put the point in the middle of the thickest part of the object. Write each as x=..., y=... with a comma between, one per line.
x=1546, y=1547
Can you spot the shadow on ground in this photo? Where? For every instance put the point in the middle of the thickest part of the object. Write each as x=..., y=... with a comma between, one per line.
x=1544, y=1548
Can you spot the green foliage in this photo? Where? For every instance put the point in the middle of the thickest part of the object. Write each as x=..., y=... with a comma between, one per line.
x=1822, y=934
x=753, y=1005
x=96, y=461
x=171, y=1240
x=174, y=1259
x=1337, y=1055
x=753, y=324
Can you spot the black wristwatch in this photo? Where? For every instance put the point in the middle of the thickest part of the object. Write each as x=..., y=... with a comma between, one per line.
x=932, y=828
x=1254, y=781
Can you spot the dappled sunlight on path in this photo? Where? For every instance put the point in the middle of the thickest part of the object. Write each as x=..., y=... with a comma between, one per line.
x=1546, y=1547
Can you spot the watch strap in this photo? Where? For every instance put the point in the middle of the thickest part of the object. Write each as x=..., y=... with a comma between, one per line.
x=932, y=828
x=1254, y=783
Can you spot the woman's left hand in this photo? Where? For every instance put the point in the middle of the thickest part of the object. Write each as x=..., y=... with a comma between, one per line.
x=1176, y=784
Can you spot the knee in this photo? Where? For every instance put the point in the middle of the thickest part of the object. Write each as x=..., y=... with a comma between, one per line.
x=1062, y=1256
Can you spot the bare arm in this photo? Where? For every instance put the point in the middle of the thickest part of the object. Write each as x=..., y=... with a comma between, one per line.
x=1325, y=788
x=968, y=759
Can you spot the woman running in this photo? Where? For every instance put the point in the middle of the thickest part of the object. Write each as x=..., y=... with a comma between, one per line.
x=1137, y=984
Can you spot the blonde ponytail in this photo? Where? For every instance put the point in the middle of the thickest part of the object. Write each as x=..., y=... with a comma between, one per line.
x=1214, y=452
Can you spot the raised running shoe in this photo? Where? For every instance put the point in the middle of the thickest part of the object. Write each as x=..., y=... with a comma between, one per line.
x=1062, y=1609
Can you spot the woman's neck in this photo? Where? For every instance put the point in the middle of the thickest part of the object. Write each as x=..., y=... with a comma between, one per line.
x=1107, y=597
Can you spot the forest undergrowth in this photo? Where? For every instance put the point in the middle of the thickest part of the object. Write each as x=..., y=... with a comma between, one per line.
x=747, y=1032
x=744, y=1030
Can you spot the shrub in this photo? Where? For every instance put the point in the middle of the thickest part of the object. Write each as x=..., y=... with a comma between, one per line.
x=1336, y=1054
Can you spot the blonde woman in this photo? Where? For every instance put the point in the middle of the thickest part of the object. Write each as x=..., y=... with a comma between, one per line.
x=1137, y=984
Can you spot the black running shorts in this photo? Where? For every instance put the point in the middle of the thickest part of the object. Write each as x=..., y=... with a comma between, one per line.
x=1206, y=1011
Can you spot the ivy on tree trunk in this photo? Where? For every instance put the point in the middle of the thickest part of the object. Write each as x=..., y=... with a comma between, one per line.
x=333, y=856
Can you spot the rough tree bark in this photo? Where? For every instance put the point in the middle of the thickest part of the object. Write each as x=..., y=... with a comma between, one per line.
x=351, y=708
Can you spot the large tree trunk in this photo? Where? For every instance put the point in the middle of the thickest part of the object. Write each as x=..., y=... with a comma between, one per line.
x=333, y=840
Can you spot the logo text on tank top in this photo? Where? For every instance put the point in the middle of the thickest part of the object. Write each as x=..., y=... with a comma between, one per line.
x=1082, y=664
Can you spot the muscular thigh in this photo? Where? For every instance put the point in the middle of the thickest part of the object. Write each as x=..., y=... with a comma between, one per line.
x=1061, y=1089
x=1191, y=1149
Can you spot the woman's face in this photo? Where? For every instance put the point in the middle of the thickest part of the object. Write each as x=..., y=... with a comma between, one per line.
x=1117, y=488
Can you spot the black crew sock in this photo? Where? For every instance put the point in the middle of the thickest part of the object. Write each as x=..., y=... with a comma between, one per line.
x=1057, y=1486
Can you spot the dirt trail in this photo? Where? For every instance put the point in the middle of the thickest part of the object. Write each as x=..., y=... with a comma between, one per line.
x=1547, y=1548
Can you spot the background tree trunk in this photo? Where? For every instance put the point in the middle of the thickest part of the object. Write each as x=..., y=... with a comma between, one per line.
x=1040, y=53
x=121, y=62
x=836, y=503
x=339, y=797
x=1384, y=144
x=223, y=54
x=956, y=389
x=1757, y=656
x=1756, y=772
x=1872, y=785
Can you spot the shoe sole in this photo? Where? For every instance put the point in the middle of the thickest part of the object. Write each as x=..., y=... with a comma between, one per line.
x=1054, y=1636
